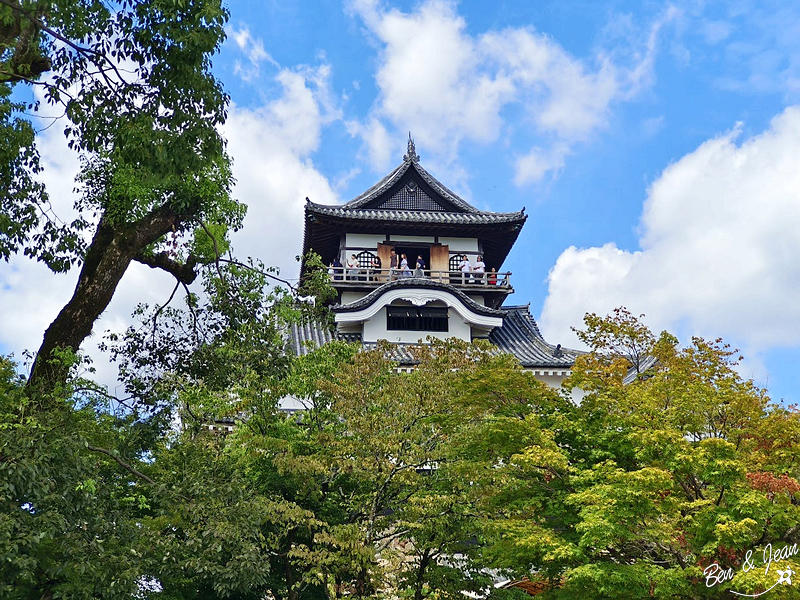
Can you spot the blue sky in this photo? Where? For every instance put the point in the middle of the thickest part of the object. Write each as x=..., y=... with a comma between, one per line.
x=655, y=146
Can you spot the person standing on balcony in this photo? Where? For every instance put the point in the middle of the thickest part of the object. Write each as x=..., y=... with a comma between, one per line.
x=479, y=269
x=465, y=268
x=420, y=270
x=404, y=270
x=338, y=270
x=393, y=266
x=376, y=268
x=352, y=268
x=491, y=278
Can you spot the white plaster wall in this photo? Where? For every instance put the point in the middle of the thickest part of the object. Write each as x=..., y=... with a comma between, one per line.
x=375, y=329
x=460, y=244
x=425, y=239
x=348, y=297
x=555, y=381
x=363, y=240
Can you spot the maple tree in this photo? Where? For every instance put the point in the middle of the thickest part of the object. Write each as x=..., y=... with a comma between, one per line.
x=637, y=490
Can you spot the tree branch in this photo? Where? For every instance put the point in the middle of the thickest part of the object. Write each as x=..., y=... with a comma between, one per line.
x=264, y=273
x=183, y=272
x=122, y=463
x=52, y=32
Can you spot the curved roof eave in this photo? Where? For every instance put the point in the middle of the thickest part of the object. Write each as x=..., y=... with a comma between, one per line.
x=520, y=336
x=414, y=216
x=417, y=283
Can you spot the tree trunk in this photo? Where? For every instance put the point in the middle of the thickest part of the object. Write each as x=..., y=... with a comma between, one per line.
x=291, y=592
x=419, y=584
x=108, y=257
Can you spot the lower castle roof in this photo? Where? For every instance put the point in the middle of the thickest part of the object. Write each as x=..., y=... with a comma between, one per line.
x=518, y=336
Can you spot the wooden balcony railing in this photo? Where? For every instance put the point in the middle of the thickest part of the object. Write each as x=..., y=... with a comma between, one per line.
x=377, y=277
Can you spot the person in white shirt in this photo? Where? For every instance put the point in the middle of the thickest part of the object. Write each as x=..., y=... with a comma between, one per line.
x=465, y=268
x=352, y=268
x=479, y=269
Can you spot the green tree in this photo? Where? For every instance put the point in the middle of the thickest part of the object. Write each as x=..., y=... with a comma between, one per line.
x=102, y=497
x=73, y=492
x=142, y=110
x=645, y=485
x=374, y=457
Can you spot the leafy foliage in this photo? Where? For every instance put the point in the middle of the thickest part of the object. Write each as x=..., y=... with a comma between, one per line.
x=423, y=484
x=650, y=483
x=141, y=109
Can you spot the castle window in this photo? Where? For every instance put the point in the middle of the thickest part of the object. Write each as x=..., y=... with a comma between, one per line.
x=411, y=318
x=366, y=259
x=455, y=260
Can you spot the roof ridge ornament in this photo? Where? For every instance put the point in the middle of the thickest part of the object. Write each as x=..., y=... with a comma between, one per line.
x=411, y=155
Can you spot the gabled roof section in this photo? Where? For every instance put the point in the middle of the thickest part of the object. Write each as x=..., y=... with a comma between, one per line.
x=410, y=187
x=410, y=201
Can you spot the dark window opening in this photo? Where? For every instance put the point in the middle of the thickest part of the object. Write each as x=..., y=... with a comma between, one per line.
x=411, y=318
x=412, y=252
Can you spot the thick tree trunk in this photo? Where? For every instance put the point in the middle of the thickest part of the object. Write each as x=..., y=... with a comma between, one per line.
x=108, y=257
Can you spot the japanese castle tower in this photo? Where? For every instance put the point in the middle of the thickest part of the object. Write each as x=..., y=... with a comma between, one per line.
x=409, y=212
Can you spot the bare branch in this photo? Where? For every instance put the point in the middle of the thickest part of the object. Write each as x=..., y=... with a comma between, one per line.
x=264, y=273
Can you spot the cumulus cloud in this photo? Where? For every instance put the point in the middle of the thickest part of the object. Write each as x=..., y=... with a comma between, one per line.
x=271, y=148
x=450, y=87
x=719, y=238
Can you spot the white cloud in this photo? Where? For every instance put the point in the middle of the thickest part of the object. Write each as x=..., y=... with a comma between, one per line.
x=379, y=146
x=753, y=47
x=449, y=87
x=720, y=236
x=271, y=148
x=716, y=31
x=253, y=49
x=538, y=162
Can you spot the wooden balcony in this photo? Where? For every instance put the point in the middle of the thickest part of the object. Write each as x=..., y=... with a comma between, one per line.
x=361, y=278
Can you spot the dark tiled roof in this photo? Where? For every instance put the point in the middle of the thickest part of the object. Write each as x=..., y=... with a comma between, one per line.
x=400, y=353
x=305, y=337
x=649, y=363
x=415, y=216
x=417, y=282
x=521, y=337
x=411, y=166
